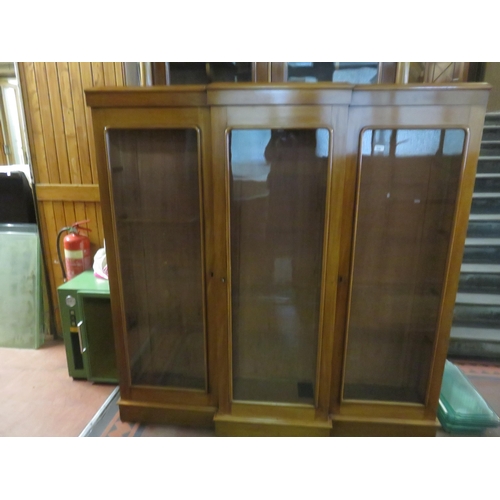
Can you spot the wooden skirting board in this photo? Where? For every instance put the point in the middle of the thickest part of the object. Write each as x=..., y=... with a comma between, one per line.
x=382, y=427
x=161, y=414
x=230, y=425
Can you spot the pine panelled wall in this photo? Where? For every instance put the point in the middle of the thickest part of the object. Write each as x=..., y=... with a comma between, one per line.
x=62, y=150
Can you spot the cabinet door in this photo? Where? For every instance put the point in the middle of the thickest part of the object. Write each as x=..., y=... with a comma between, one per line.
x=278, y=181
x=408, y=185
x=155, y=168
x=281, y=222
x=96, y=329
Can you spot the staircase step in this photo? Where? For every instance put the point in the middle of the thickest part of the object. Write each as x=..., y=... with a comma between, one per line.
x=481, y=254
x=492, y=119
x=483, y=229
x=474, y=315
x=488, y=165
x=490, y=149
x=491, y=132
x=477, y=282
x=485, y=204
x=487, y=185
x=477, y=334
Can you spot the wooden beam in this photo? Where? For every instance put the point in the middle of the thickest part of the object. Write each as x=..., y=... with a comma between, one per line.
x=67, y=192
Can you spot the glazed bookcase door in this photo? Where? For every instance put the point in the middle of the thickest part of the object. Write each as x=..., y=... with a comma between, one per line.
x=277, y=187
x=409, y=186
x=155, y=184
x=407, y=191
x=154, y=164
x=281, y=187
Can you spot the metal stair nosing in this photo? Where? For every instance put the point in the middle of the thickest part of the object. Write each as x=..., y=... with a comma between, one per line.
x=485, y=195
x=480, y=268
x=487, y=175
x=484, y=217
x=478, y=299
x=482, y=242
x=475, y=334
x=488, y=158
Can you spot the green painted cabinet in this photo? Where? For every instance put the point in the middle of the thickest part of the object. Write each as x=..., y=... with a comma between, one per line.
x=88, y=329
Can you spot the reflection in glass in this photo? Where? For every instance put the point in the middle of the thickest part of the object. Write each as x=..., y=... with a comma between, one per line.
x=278, y=195
x=157, y=209
x=406, y=201
x=345, y=72
x=208, y=72
x=416, y=72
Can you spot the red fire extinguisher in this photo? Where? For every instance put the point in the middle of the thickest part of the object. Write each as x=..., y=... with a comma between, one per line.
x=76, y=250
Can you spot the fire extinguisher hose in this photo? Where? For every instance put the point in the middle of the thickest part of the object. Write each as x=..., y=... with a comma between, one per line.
x=59, y=250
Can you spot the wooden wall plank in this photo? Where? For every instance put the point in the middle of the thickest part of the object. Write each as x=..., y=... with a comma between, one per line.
x=60, y=221
x=67, y=192
x=33, y=121
x=94, y=214
x=62, y=151
x=98, y=74
x=109, y=74
x=62, y=145
x=79, y=115
x=47, y=130
x=58, y=123
x=100, y=226
x=87, y=83
x=69, y=123
x=120, y=79
x=47, y=213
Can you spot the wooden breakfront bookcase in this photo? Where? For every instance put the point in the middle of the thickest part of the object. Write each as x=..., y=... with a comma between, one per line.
x=284, y=258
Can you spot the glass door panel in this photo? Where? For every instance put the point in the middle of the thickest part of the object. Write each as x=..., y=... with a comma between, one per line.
x=278, y=200
x=156, y=191
x=407, y=193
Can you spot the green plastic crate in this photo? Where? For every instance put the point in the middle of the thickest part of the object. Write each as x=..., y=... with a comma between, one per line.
x=461, y=408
